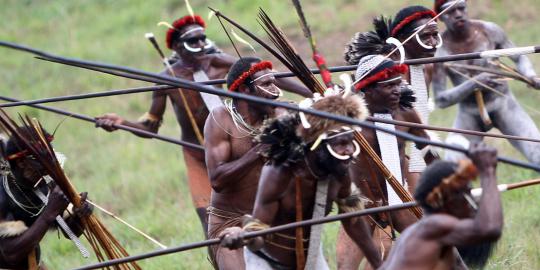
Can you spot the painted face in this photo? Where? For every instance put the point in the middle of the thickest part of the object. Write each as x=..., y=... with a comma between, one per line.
x=193, y=41
x=426, y=42
x=385, y=95
x=457, y=18
x=263, y=85
x=342, y=147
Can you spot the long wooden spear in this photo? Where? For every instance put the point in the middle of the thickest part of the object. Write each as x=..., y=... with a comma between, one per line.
x=203, y=88
x=305, y=223
x=122, y=127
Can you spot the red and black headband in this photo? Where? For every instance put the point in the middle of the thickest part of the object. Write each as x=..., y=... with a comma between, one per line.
x=411, y=18
x=382, y=75
x=254, y=69
x=179, y=24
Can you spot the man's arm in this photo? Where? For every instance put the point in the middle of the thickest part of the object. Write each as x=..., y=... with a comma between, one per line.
x=524, y=65
x=291, y=85
x=150, y=121
x=14, y=250
x=359, y=231
x=222, y=170
x=487, y=223
x=447, y=97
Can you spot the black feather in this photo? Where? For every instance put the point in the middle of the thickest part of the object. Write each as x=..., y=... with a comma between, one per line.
x=369, y=43
x=407, y=97
x=282, y=145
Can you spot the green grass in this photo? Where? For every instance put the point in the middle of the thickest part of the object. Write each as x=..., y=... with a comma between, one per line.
x=143, y=181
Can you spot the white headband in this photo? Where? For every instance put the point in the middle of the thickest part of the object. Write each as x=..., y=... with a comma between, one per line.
x=262, y=76
x=449, y=3
x=191, y=31
x=391, y=80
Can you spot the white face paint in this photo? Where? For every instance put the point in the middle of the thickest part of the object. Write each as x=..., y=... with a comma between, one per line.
x=421, y=43
x=279, y=93
x=208, y=45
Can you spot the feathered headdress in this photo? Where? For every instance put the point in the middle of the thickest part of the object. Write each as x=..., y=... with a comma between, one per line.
x=372, y=42
x=174, y=32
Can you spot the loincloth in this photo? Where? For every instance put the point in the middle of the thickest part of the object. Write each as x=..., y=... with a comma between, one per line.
x=198, y=181
x=219, y=220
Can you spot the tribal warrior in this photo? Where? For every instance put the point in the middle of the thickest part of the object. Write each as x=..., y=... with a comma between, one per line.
x=187, y=38
x=381, y=87
x=29, y=208
x=452, y=218
x=307, y=171
x=232, y=156
x=484, y=101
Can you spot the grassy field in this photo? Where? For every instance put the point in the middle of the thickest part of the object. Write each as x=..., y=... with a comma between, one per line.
x=143, y=181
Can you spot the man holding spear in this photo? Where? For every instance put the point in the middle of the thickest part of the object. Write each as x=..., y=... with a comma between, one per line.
x=452, y=218
x=484, y=102
x=25, y=217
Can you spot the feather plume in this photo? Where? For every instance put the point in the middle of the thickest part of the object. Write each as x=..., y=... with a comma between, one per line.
x=407, y=97
x=166, y=24
x=241, y=40
x=189, y=9
x=283, y=146
x=369, y=43
x=31, y=136
x=292, y=60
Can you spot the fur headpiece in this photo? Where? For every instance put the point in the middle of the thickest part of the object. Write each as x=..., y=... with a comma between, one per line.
x=375, y=68
x=405, y=17
x=288, y=140
x=352, y=106
x=254, y=69
x=372, y=42
x=173, y=33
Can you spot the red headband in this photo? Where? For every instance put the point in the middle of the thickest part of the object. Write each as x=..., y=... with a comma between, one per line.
x=178, y=24
x=384, y=74
x=254, y=69
x=23, y=153
x=413, y=17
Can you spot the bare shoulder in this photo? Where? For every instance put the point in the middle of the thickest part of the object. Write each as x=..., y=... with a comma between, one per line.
x=409, y=115
x=490, y=27
x=436, y=225
x=222, y=59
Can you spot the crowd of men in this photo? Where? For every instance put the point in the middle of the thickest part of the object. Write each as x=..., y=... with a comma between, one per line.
x=265, y=166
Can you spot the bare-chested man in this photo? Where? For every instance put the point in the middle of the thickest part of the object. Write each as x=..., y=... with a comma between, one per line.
x=382, y=89
x=24, y=217
x=307, y=170
x=307, y=165
x=189, y=41
x=232, y=156
x=450, y=217
x=464, y=36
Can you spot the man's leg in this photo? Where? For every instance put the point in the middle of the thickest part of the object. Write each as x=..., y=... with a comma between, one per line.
x=513, y=120
x=349, y=256
x=199, y=187
x=467, y=121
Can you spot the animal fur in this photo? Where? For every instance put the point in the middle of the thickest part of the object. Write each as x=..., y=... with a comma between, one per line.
x=12, y=228
x=284, y=147
x=352, y=106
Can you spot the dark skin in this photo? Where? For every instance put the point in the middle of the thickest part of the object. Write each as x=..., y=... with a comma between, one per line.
x=15, y=250
x=381, y=98
x=216, y=66
x=232, y=158
x=429, y=244
x=413, y=50
x=275, y=203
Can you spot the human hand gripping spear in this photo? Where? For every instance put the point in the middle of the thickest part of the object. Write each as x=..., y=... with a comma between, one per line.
x=305, y=223
x=34, y=140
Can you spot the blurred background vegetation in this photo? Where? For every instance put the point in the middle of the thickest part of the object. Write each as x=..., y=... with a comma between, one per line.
x=143, y=181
